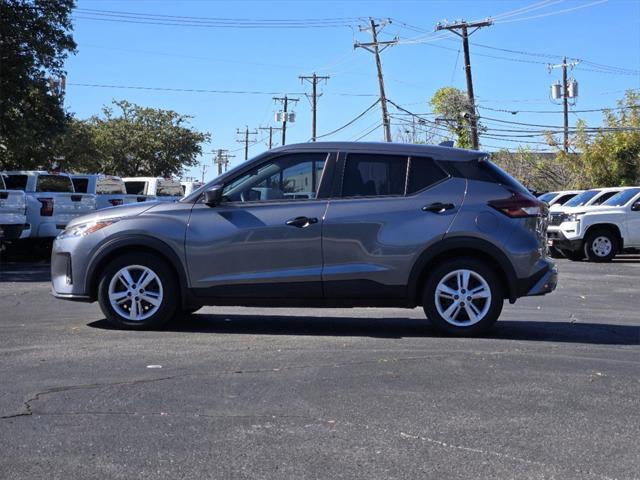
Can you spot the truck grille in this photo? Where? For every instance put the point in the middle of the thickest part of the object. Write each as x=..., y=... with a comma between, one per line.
x=557, y=218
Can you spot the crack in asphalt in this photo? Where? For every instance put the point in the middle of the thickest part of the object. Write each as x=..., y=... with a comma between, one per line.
x=28, y=403
x=506, y=456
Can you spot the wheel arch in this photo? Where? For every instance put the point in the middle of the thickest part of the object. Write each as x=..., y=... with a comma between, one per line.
x=455, y=248
x=611, y=227
x=134, y=243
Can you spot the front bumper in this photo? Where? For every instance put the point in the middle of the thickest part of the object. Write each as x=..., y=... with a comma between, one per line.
x=564, y=239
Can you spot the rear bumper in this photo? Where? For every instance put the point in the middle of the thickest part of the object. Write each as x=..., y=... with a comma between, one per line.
x=542, y=282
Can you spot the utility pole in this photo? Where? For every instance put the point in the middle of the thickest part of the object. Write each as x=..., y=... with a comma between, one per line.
x=465, y=34
x=313, y=79
x=376, y=48
x=285, y=116
x=204, y=171
x=245, y=140
x=222, y=159
x=568, y=89
x=271, y=129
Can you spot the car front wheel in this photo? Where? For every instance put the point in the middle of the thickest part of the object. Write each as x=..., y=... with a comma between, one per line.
x=463, y=297
x=600, y=246
x=138, y=291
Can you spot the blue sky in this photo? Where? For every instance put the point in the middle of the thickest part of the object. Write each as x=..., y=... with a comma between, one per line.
x=271, y=59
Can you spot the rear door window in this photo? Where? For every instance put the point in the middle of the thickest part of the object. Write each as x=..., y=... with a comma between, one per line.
x=371, y=175
x=423, y=172
x=54, y=183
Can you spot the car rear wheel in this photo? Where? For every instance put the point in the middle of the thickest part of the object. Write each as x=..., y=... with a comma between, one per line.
x=600, y=245
x=137, y=291
x=463, y=297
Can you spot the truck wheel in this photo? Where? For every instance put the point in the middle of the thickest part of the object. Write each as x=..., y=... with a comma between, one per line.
x=138, y=291
x=600, y=245
x=463, y=297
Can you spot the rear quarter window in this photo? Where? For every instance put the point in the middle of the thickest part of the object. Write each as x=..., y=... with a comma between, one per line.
x=54, y=183
x=110, y=186
x=484, y=171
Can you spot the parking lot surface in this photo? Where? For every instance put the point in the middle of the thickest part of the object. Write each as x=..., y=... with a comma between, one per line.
x=243, y=393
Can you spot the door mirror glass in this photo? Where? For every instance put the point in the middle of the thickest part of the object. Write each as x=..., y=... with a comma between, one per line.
x=213, y=196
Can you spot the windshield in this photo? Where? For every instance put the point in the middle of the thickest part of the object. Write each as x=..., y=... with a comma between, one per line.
x=581, y=199
x=110, y=186
x=547, y=197
x=621, y=198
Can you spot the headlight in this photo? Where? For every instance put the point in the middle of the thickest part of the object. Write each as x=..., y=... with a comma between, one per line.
x=85, y=229
x=574, y=217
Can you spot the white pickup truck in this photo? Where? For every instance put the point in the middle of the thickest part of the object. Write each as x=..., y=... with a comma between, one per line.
x=600, y=232
x=13, y=214
x=51, y=200
x=110, y=191
x=158, y=188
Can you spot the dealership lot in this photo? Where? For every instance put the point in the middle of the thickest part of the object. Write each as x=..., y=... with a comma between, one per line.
x=553, y=392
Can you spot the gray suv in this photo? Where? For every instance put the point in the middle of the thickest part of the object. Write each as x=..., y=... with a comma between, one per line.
x=314, y=225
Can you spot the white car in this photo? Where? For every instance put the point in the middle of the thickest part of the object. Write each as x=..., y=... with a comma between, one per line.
x=110, y=191
x=600, y=232
x=51, y=200
x=559, y=198
x=156, y=188
x=13, y=214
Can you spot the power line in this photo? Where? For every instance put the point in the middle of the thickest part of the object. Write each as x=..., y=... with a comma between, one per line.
x=514, y=112
x=350, y=122
x=203, y=90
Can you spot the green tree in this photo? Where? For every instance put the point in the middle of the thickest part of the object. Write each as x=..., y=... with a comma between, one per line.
x=538, y=171
x=131, y=140
x=611, y=156
x=35, y=40
x=453, y=104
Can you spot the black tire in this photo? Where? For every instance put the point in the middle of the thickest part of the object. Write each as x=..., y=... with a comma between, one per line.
x=190, y=310
x=166, y=278
x=554, y=252
x=495, y=287
x=573, y=255
x=595, y=243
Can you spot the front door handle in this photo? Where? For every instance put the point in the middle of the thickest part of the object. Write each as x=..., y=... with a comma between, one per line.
x=301, y=222
x=438, y=207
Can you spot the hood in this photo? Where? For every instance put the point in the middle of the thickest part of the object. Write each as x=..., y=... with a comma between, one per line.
x=583, y=209
x=120, y=211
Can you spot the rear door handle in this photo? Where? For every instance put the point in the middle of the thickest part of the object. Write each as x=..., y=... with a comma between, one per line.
x=438, y=207
x=301, y=222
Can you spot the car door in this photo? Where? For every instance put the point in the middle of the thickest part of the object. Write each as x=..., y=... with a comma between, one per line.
x=387, y=210
x=264, y=239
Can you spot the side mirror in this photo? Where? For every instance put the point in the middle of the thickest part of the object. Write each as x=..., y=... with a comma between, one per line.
x=213, y=196
x=636, y=206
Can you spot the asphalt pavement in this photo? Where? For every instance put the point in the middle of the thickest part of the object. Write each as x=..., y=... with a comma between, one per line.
x=245, y=393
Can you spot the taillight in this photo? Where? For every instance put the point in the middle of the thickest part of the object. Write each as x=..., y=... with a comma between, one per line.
x=518, y=206
x=115, y=201
x=46, y=210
